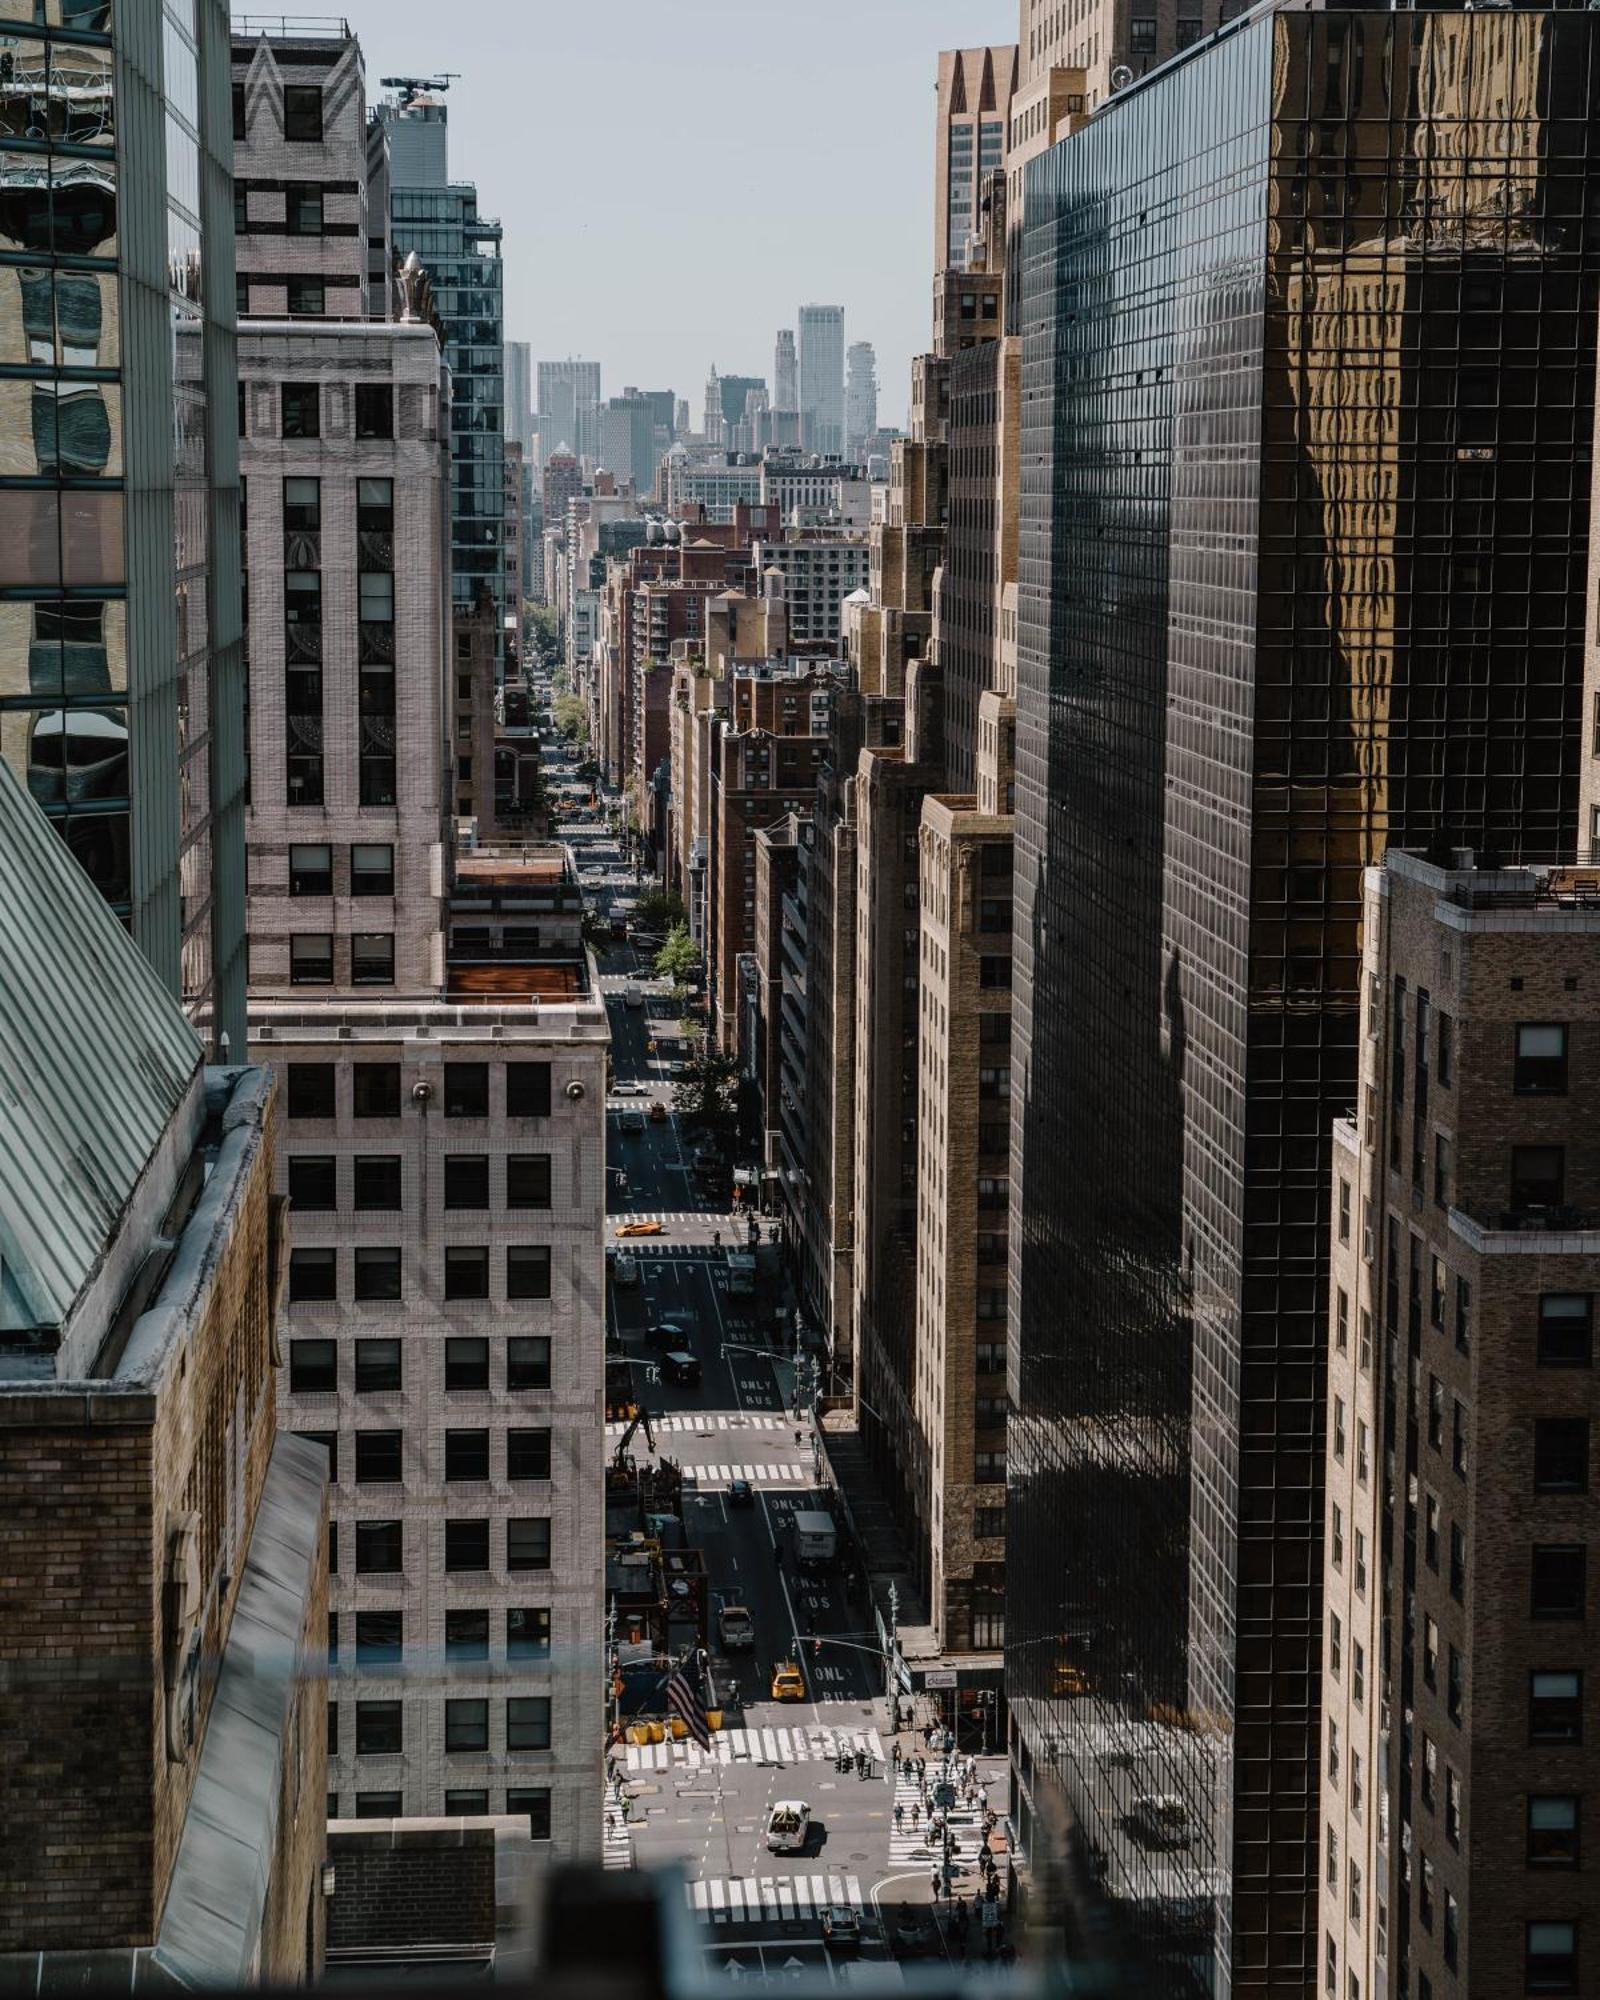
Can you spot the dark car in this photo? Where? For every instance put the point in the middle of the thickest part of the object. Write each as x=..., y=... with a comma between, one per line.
x=741, y=1493
x=682, y=1368
x=671, y=1334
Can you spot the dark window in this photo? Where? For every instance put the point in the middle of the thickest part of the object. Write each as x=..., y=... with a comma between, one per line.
x=528, y=1180
x=302, y=112
x=377, y=1366
x=376, y=1089
x=1538, y=1176
x=374, y=410
x=466, y=1637
x=378, y=1458
x=466, y=1090
x=994, y=971
x=534, y=1800
x=333, y=1548
x=466, y=1725
x=303, y=213
x=311, y=1090
x=371, y=958
x=1188, y=31
x=239, y=131
x=333, y=1729
x=528, y=1722
x=378, y=1728
x=1553, y=1830
x=466, y=1454
x=466, y=1180
x=379, y=1548
x=528, y=1634
x=313, y=1364
x=311, y=958
x=1541, y=1067
x=301, y=411
x=528, y=1544
x=466, y=1363
x=377, y=1180
x=1552, y=1957
x=1561, y=1455
x=466, y=1271
x=528, y=1361
x=528, y=1271
x=1566, y=1329
x=377, y=1805
x=1557, y=1580
x=1555, y=1705
x=465, y=1804
x=377, y=1272
x=310, y=869
x=313, y=1274
x=466, y=1545
x=313, y=1181
x=528, y=1090
x=329, y=1440
x=306, y=296
x=528, y=1454
x=379, y=1638
x=1142, y=35
x=371, y=868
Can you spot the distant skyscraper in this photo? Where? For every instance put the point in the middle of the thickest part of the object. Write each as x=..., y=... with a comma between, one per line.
x=519, y=392
x=569, y=407
x=736, y=390
x=121, y=660
x=627, y=439
x=785, y=372
x=822, y=377
x=860, y=398
x=975, y=89
x=713, y=422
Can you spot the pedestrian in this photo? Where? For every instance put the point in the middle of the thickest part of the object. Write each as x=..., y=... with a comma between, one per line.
x=927, y=1735
x=899, y=1817
x=936, y=1885
x=916, y=1815
x=894, y=1752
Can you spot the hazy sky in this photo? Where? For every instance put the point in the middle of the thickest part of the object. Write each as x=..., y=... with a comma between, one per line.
x=677, y=176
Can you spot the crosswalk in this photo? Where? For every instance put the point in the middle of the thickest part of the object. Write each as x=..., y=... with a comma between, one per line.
x=770, y=1899
x=710, y=1420
x=616, y=1843
x=755, y=1746
x=758, y=1475
x=909, y=1838
x=671, y=1218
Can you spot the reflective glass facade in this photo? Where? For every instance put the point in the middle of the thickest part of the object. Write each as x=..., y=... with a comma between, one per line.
x=120, y=660
x=1309, y=349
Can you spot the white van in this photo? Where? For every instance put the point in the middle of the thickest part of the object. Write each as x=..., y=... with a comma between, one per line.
x=789, y=1826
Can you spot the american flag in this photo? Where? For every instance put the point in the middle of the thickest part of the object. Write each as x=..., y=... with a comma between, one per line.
x=684, y=1699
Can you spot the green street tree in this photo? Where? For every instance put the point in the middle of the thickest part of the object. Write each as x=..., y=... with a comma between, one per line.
x=659, y=910
x=679, y=958
x=570, y=714
x=706, y=1094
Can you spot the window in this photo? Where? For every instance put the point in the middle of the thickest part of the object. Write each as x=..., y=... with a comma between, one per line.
x=1455, y=1684
x=466, y=1090
x=465, y=1804
x=1335, y=1644
x=378, y=1728
x=1541, y=1066
x=372, y=958
x=1441, y=1169
x=1360, y=1568
x=1355, y=1894
x=1425, y=1894
x=528, y=1271
x=466, y=1271
x=1430, y=1531
x=1458, y=1438
x=371, y=868
x=313, y=1365
x=378, y=1458
x=1557, y=1577
x=1344, y=1210
x=313, y=1181
x=310, y=1090
x=1538, y=1176
x=466, y=1637
x=528, y=1454
x=1355, y=1782
x=376, y=1089
x=988, y=1522
x=1555, y=1705
x=528, y=1722
x=1430, y=1651
x=1452, y=1806
x=379, y=1638
x=528, y=1634
x=377, y=1272
x=466, y=1454
x=528, y=1180
x=1333, y=1751
x=1438, y=1292
x=375, y=597
x=1561, y=1455
x=377, y=1180
x=374, y=410
x=306, y=296
x=311, y=958
x=1430, y=1773
x=379, y=1547
x=300, y=411
x=1464, y=1315
x=302, y=112
x=1435, y=1413
x=1331, y=1847
x=1362, y=1452
x=528, y=1543
x=377, y=1366
x=1142, y=35
x=1364, y=1358
x=1336, y=1536
x=329, y=1441
x=333, y=1729
x=377, y=1805
x=1458, y=1562
x=1330, y=1968
x=1338, y=1428
x=528, y=1361
x=1452, y=1929
x=466, y=1725
x=239, y=128
x=534, y=1800
x=313, y=1274
x=1447, y=1058
x=1566, y=1322
x=310, y=869
x=375, y=509
x=466, y=1180
x=528, y=1090
x=1551, y=1964
x=1553, y=1830
x=303, y=212
x=994, y=970
x=1341, y=1321
x=1358, y=1673
x=466, y=1545
x=466, y=1363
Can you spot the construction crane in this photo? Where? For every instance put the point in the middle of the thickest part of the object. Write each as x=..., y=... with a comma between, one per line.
x=641, y=1417
x=412, y=87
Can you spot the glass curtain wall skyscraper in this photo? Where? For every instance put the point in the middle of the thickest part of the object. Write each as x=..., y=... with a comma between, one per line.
x=1309, y=325
x=121, y=664
x=822, y=378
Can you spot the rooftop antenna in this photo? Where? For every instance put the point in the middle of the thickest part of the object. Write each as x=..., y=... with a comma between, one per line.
x=412, y=87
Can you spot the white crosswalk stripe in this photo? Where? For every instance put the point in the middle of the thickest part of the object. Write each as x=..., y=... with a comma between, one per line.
x=809, y=1744
x=909, y=1839
x=616, y=1846
x=769, y=1899
x=712, y=1420
x=757, y=1475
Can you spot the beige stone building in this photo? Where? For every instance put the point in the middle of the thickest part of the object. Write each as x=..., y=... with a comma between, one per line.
x=1103, y=37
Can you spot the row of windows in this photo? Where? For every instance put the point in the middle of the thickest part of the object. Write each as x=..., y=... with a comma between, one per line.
x=376, y=1181
x=371, y=868
x=380, y=1545
x=300, y=405
x=378, y=1364
x=302, y=113
x=380, y=1455
x=314, y=1272
x=311, y=952
x=466, y=1803
x=380, y=1637
x=380, y=1725
x=311, y=1089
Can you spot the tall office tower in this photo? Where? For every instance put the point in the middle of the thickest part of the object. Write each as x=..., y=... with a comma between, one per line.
x=973, y=109
x=1209, y=749
x=711, y=418
x=121, y=661
x=822, y=378
x=163, y=1552
x=569, y=407
x=1109, y=35
x=519, y=393
x=785, y=372
x=860, y=399
x=628, y=440
x=735, y=391
x=1461, y=1404
x=460, y=249
x=345, y=456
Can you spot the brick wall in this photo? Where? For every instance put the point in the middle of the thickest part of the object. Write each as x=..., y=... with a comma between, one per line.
x=410, y=1887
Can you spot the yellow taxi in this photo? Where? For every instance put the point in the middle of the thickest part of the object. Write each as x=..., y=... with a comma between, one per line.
x=788, y=1683
x=658, y=1113
x=638, y=1228
x=1068, y=1678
